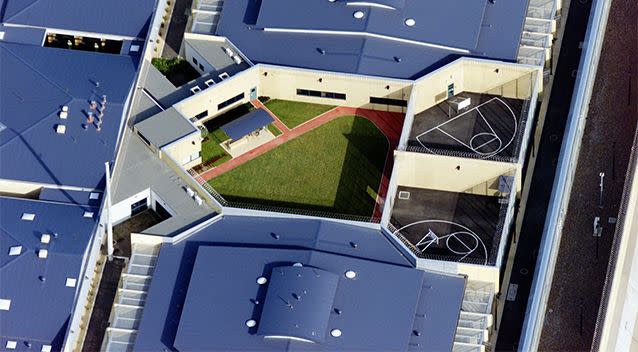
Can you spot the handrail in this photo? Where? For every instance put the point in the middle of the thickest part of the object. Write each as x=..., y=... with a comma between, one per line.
x=550, y=242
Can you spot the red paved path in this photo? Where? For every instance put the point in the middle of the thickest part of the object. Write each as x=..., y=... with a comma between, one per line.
x=389, y=123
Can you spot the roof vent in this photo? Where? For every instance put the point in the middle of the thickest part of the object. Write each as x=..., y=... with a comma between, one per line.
x=11, y=345
x=45, y=238
x=5, y=304
x=350, y=274
x=15, y=250
x=70, y=282
x=88, y=214
x=46, y=348
x=335, y=332
x=358, y=14
x=28, y=216
x=262, y=280
x=410, y=22
x=251, y=323
x=60, y=129
x=43, y=254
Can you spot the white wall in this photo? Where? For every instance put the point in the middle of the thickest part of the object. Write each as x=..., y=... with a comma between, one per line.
x=122, y=210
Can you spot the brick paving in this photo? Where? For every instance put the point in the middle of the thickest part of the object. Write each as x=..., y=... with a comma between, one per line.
x=389, y=123
x=583, y=259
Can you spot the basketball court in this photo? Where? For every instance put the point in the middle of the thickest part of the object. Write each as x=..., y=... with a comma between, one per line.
x=449, y=226
x=478, y=125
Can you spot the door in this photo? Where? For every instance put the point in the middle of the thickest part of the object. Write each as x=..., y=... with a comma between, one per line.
x=139, y=207
x=253, y=93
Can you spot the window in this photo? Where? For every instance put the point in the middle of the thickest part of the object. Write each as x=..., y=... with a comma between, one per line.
x=230, y=101
x=450, y=90
x=386, y=101
x=319, y=94
x=194, y=60
x=201, y=67
x=201, y=115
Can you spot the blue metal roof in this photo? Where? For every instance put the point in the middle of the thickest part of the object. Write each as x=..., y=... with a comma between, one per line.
x=205, y=289
x=298, y=303
x=246, y=124
x=41, y=301
x=24, y=35
x=73, y=197
x=325, y=35
x=35, y=82
x=117, y=17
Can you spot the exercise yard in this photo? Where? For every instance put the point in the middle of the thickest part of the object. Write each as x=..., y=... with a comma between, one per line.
x=336, y=167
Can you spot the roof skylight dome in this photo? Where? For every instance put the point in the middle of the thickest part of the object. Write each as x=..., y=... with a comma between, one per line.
x=358, y=14
x=262, y=280
x=410, y=22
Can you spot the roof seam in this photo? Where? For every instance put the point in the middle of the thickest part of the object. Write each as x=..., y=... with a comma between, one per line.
x=21, y=11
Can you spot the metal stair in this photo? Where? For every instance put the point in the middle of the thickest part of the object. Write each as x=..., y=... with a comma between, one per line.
x=130, y=299
x=475, y=320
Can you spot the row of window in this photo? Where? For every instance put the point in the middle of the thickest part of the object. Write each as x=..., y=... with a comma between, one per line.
x=386, y=101
x=318, y=94
x=230, y=101
x=201, y=67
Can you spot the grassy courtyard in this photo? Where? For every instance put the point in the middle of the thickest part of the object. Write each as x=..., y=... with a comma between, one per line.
x=294, y=113
x=336, y=167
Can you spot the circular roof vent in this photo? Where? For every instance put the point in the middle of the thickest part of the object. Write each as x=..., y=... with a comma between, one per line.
x=358, y=14
x=350, y=274
x=410, y=22
x=335, y=332
x=262, y=280
x=251, y=323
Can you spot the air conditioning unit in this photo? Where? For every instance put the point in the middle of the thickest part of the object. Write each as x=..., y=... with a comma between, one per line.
x=45, y=238
x=237, y=59
x=43, y=254
x=229, y=52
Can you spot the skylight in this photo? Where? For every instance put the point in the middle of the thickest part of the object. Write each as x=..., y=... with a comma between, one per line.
x=28, y=216
x=15, y=250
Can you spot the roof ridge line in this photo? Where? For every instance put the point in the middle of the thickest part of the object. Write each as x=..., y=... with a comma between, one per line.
x=21, y=11
x=53, y=83
x=36, y=123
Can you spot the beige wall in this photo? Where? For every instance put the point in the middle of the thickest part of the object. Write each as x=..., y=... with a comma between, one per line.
x=474, y=272
x=283, y=82
x=440, y=173
x=183, y=149
x=432, y=88
x=17, y=188
x=209, y=98
x=511, y=81
x=480, y=76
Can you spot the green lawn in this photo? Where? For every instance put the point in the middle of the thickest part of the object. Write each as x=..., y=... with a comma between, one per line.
x=294, y=113
x=336, y=167
x=274, y=130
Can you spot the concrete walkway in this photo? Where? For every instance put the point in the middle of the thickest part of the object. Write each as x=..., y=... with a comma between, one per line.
x=389, y=123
